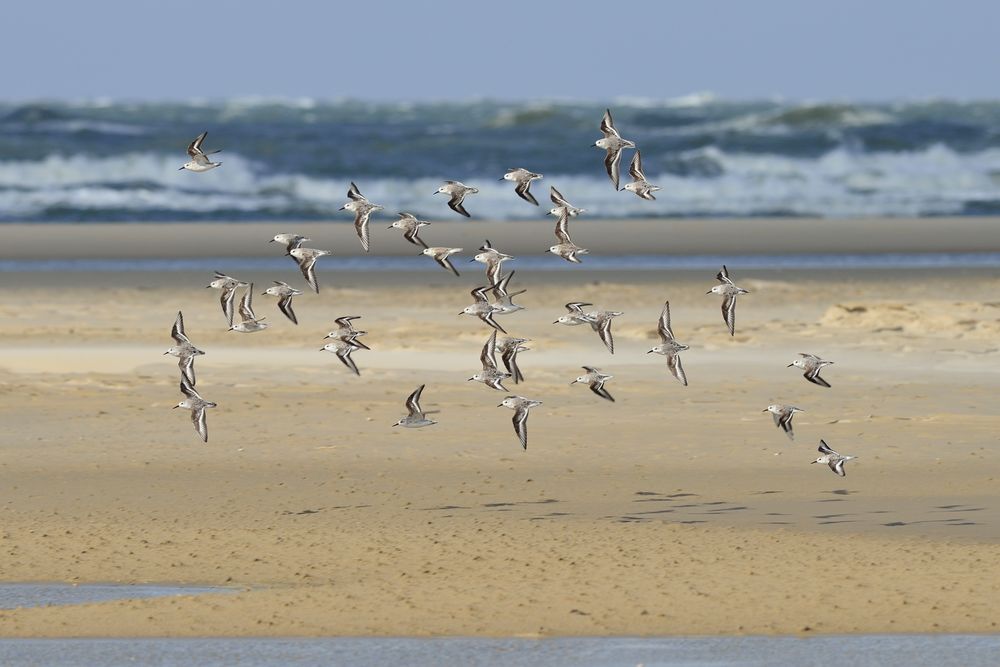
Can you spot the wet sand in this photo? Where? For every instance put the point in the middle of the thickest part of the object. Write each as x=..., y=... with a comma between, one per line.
x=674, y=511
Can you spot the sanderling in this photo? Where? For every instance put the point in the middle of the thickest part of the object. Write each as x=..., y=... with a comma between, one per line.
x=417, y=417
x=595, y=379
x=197, y=405
x=833, y=459
x=493, y=259
x=566, y=248
x=183, y=349
x=613, y=143
x=639, y=185
x=782, y=415
x=343, y=350
x=811, y=364
x=504, y=304
x=482, y=308
x=411, y=227
x=362, y=210
x=228, y=286
x=491, y=376
x=457, y=191
x=520, y=405
x=346, y=332
x=600, y=321
x=440, y=255
x=306, y=258
x=669, y=347
x=729, y=292
x=250, y=323
x=509, y=347
x=562, y=207
x=290, y=241
x=284, y=292
x=523, y=178
x=199, y=158
x=576, y=315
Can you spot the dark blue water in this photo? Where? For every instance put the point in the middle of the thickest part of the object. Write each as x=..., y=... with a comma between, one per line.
x=40, y=595
x=855, y=651
x=293, y=160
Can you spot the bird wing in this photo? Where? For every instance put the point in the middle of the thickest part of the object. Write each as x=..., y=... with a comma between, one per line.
x=825, y=448
x=194, y=148
x=361, y=226
x=307, y=265
x=608, y=125
x=557, y=198
x=189, y=390
x=635, y=168
x=354, y=194
x=200, y=423
x=562, y=228
x=177, y=331
x=285, y=306
x=604, y=331
x=523, y=191
x=488, y=355
x=446, y=263
x=676, y=369
x=663, y=326
x=345, y=356
x=520, y=421
x=455, y=204
x=612, y=162
x=729, y=312
x=598, y=388
x=723, y=276
x=246, y=309
x=413, y=402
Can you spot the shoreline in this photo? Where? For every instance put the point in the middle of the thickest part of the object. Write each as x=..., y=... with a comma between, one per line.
x=753, y=236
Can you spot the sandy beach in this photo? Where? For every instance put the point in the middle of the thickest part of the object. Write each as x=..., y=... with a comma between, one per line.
x=674, y=511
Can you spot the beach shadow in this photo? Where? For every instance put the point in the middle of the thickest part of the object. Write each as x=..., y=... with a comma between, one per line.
x=445, y=507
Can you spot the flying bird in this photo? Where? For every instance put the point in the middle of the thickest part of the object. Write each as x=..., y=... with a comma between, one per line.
x=362, y=210
x=199, y=158
x=183, y=349
x=729, y=292
x=197, y=405
x=613, y=144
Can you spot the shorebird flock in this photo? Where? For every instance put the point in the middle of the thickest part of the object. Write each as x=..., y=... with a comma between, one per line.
x=344, y=339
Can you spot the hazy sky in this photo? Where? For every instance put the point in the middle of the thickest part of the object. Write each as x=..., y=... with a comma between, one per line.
x=798, y=49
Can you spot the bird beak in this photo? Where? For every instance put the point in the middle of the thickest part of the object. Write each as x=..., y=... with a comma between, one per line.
x=789, y=365
x=341, y=208
x=180, y=169
x=650, y=352
x=271, y=241
x=812, y=462
x=708, y=292
x=501, y=178
x=499, y=405
x=396, y=424
x=390, y=227
x=177, y=406
x=166, y=353
x=764, y=410
x=556, y=322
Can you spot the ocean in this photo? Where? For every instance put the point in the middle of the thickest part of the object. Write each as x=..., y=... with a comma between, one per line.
x=293, y=159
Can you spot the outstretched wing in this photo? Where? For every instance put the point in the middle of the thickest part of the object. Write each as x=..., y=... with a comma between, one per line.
x=663, y=326
x=488, y=355
x=723, y=276
x=285, y=305
x=557, y=197
x=523, y=191
x=413, y=402
x=598, y=388
x=194, y=148
x=635, y=168
x=521, y=426
x=676, y=369
x=354, y=194
x=562, y=228
x=608, y=125
x=612, y=162
x=825, y=448
x=177, y=331
x=729, y=312
x=455, y=204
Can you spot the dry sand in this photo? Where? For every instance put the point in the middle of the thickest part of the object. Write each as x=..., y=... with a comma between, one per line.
x=672, y=511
